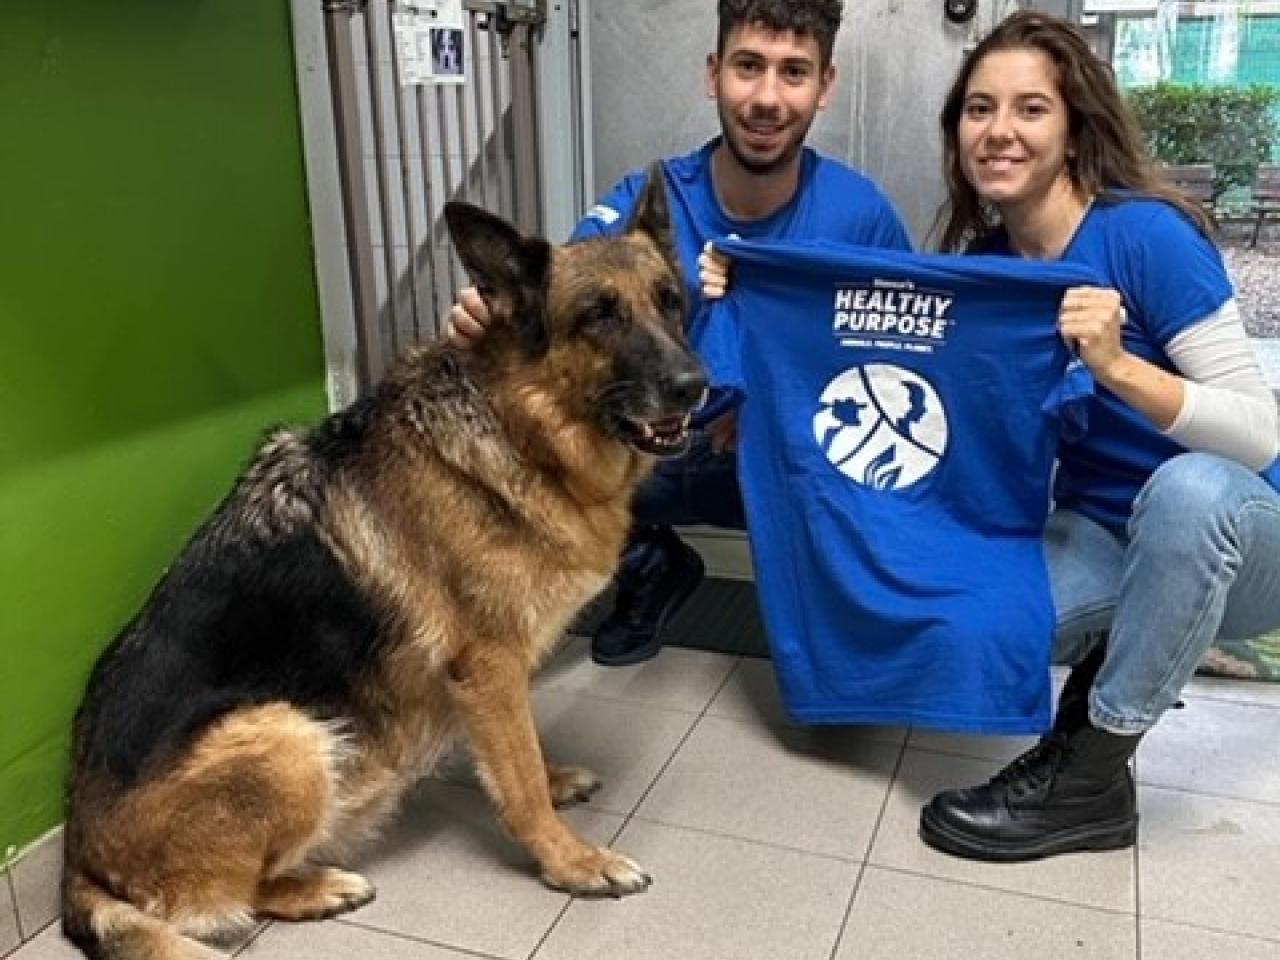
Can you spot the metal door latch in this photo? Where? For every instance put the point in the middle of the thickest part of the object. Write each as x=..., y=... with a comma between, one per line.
x=506, y=15
x=532, y=12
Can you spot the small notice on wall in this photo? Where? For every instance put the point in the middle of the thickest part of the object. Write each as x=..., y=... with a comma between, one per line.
x=429, y=36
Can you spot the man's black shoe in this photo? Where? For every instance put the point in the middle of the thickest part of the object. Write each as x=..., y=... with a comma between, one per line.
x=645, y=602
x=1072, y=791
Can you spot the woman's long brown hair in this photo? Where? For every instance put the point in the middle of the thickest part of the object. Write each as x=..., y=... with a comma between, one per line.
x=1107, y=151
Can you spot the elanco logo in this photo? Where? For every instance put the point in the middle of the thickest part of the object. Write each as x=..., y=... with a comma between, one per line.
x=881, y=426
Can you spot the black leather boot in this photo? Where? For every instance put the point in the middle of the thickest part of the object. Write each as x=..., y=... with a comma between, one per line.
x=1072, y=791
x=1073, y=702
x=649, y=593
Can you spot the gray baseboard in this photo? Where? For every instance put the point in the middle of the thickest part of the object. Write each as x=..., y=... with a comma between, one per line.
x=29, y=898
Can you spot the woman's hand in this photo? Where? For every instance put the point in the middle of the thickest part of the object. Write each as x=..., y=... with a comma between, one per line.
x=713, y=272
x=468, y=319
x=1090, y=320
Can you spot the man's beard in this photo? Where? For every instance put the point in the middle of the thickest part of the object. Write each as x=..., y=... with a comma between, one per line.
x=757, y=166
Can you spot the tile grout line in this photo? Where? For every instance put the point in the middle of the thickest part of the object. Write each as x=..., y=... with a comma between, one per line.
x=1211, y=697
x=749, y=841
x=952, y=754
x=1137, y=865
x=1038, y=897
x=871, y=841
x=604, y=698
x=410, y=938
x=698, y=718
x=1234, y=798
x=555, y=922
x=1222, y=931
x=631, y=816
x=1137, y=887
x=252, y=939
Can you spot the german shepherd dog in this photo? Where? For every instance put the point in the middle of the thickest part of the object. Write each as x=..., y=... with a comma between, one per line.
x=372, y=587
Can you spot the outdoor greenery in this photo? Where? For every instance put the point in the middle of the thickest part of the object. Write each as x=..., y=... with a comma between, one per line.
x=1233, y=128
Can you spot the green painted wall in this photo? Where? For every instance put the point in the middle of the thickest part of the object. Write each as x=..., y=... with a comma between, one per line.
x=157, y=310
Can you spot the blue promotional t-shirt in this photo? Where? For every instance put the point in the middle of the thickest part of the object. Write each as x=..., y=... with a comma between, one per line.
x=1169, y=276
x=832, y=202
x=896, y=444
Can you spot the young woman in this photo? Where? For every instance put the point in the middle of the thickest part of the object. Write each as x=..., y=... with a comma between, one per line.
x=1166, y=527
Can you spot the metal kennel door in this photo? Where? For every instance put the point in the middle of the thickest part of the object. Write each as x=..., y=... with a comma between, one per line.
x=403, y=151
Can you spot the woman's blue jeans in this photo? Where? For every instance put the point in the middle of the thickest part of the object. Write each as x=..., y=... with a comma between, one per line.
x=1201, y=560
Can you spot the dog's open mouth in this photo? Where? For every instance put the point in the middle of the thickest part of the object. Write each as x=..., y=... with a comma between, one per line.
x=668, y=437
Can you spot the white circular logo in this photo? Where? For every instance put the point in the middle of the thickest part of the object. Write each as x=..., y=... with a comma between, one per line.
x=881, y=426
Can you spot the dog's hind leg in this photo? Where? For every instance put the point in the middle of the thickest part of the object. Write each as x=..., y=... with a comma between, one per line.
x=491, y=692
x=204, y=845
x=266, y=780
x=283, y=768
x=107, y=928
x=305, y=755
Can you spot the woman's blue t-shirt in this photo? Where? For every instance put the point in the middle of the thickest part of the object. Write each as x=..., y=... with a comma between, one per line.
x=1170, y=277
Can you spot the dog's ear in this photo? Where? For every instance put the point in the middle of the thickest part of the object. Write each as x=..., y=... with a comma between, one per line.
x=510, y=271
x=652, y=214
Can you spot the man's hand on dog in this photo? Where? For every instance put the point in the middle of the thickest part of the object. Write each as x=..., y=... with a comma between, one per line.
x=469, y=319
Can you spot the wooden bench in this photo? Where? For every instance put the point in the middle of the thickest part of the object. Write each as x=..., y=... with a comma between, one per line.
x=1193, y=179
x=1266, y=197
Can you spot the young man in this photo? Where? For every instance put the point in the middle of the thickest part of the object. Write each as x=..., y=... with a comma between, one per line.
x=770, y=75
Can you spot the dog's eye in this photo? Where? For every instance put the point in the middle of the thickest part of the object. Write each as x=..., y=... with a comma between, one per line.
x=599, y=313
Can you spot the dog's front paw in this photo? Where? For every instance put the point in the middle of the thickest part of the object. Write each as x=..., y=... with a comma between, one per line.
x=571, y=785
x=597, y=872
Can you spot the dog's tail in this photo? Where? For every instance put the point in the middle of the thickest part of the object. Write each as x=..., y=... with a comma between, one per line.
x=108, y=928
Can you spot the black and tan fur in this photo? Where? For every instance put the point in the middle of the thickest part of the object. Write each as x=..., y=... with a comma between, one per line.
x=372, y=588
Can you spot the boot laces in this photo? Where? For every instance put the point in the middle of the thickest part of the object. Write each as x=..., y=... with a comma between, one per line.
x=630, y=607
x=1036, y=768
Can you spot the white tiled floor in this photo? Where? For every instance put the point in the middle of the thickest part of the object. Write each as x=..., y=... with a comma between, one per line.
x=775, y=842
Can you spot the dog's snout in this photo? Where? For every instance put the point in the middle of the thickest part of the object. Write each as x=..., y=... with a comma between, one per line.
x=685, y=387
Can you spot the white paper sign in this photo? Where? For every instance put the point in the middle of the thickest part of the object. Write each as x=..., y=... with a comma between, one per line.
x=430, y=41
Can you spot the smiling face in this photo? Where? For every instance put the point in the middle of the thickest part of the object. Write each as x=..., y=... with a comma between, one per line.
x=1013, y=135
x=768, y=85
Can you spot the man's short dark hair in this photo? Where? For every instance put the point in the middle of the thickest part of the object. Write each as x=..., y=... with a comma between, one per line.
x=819, y=19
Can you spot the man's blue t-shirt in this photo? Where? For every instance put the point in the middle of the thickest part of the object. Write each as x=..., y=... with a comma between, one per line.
x=832, y=202
x=1169, y=276
x=896, y=444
